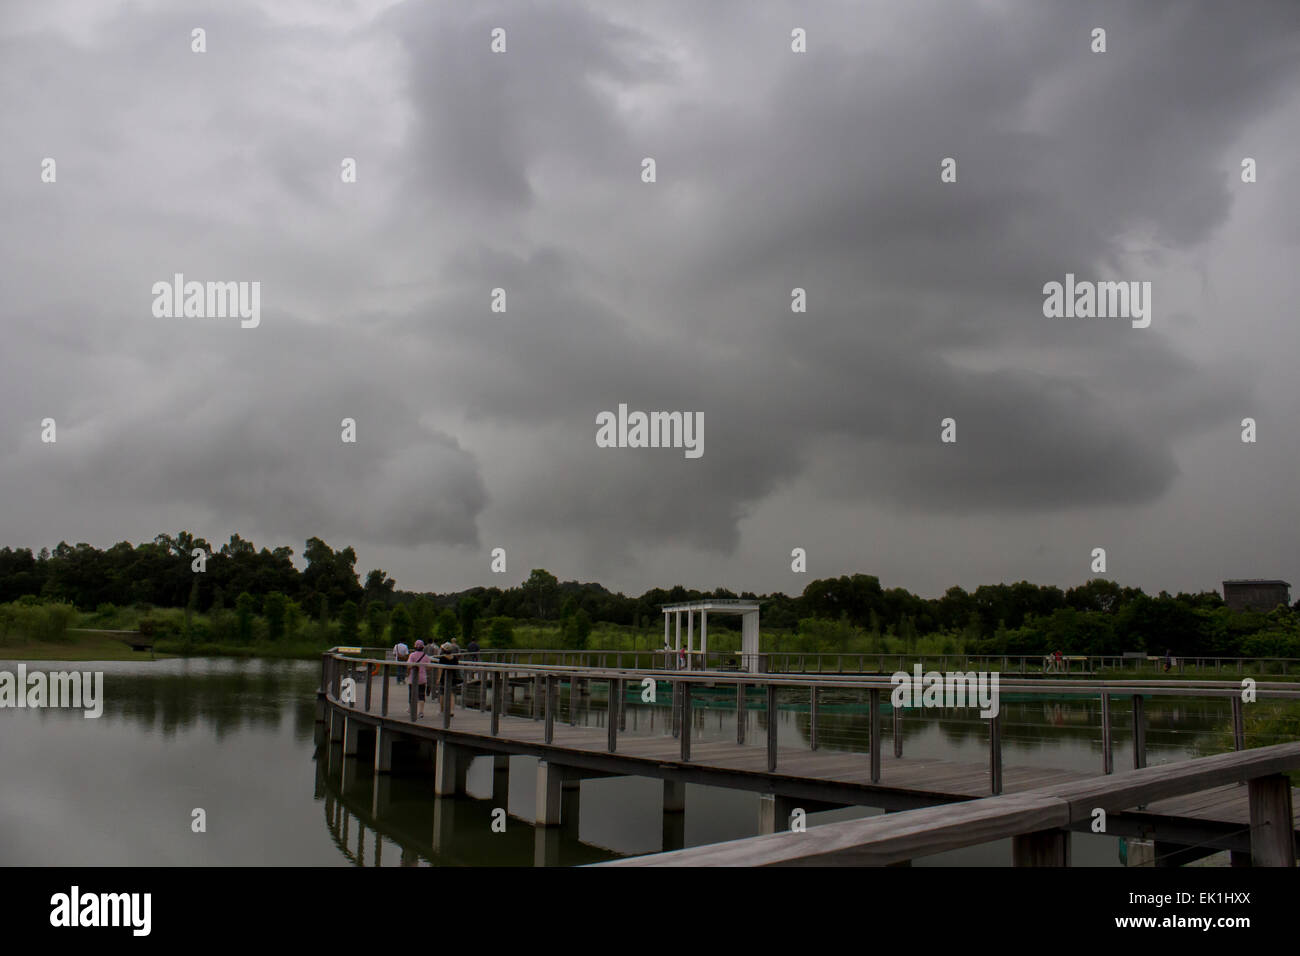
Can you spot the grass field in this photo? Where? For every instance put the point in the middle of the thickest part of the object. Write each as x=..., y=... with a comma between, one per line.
x=79, y=646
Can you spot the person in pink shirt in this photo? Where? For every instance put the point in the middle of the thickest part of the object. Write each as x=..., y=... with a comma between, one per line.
x=420, y=659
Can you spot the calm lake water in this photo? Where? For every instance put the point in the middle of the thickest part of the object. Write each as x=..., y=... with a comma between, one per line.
x=238, y=739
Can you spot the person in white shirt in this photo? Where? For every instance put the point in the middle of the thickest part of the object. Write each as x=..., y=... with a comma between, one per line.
x=401, y=652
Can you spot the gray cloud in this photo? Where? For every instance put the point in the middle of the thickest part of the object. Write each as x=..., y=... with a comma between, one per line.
x=522, y=171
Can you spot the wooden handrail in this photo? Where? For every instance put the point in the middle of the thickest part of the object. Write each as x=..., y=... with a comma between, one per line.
x=1156, y=687
x=893, y=838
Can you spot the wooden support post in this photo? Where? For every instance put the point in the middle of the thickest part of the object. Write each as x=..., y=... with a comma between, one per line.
x=611, y=712
x=995, y=753
x=812, y=717
x=1238, y=724
x=1139, y=733
x=898, y=731
x=383, y=750
x=686, y=722
x=550, y=792
x=771, y=728
x=1272, y=821
x=550, y=710
x=774, y=812
x=874, y=696
x=501, y=781
x=350, y=728
x=383, y=670
x=370, y=672
x=1107, y=747
x=1043, y=848
x=449, y=773
x=674, y=796
x=537, y=696
x=740, y=713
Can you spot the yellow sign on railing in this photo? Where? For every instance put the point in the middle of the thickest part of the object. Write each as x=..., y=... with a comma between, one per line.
x=348, y=650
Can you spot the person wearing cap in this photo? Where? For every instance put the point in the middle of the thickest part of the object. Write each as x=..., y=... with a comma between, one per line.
x=447, y=656
x=421, y=659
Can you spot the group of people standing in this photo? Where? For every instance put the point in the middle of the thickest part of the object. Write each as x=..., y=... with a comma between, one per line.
x=446, y=678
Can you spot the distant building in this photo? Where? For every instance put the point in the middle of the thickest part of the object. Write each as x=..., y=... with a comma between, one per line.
x=1256, y=594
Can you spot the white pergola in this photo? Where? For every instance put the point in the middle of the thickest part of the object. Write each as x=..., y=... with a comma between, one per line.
x=749, y=659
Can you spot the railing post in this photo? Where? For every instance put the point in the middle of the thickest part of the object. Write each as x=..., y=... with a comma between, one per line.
x=498, y=699
x=875, y=734
x=812, y=717
x=550, y=710
x=995, y=753
x=686, y=721
x=383, y=670
x=898, y=731
x=771, y=728
x=1238, y=724
x=1107, y=751
x=573, y=700
x=740, y=713
x=370, y=672
x=448, y=679
x=1139, y=733
x=611, y=715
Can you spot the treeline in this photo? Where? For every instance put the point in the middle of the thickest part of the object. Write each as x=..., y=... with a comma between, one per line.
x=247, y=594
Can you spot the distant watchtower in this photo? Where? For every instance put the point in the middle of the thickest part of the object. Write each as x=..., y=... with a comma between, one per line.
x=1256, y=594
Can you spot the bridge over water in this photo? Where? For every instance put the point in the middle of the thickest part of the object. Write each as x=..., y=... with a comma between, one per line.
x=1239, y=801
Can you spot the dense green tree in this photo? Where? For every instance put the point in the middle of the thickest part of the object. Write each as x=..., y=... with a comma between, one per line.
x=349, y=624
x=422, y=613
x=244, y=608
x=468, y=612
x=379, y=587
x=448, y=627
x=376, y=621
x=576, y=630
x=540, y=592
x=274, y=608
x=400, y=624
x=331, y=573
x=501, y=633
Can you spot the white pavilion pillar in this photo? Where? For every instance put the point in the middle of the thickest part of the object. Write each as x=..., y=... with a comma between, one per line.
x=690, y=636
x=678, y=616
x=704, y=633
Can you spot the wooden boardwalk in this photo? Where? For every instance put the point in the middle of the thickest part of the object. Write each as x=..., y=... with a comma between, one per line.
x=814, y=780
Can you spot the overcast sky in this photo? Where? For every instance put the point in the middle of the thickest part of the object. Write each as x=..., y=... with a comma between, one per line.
x=775, y=170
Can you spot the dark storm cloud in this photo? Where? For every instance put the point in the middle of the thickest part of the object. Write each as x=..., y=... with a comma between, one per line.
x=833, y=185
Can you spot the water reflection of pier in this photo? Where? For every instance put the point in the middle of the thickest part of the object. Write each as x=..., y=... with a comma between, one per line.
x=363, y=810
